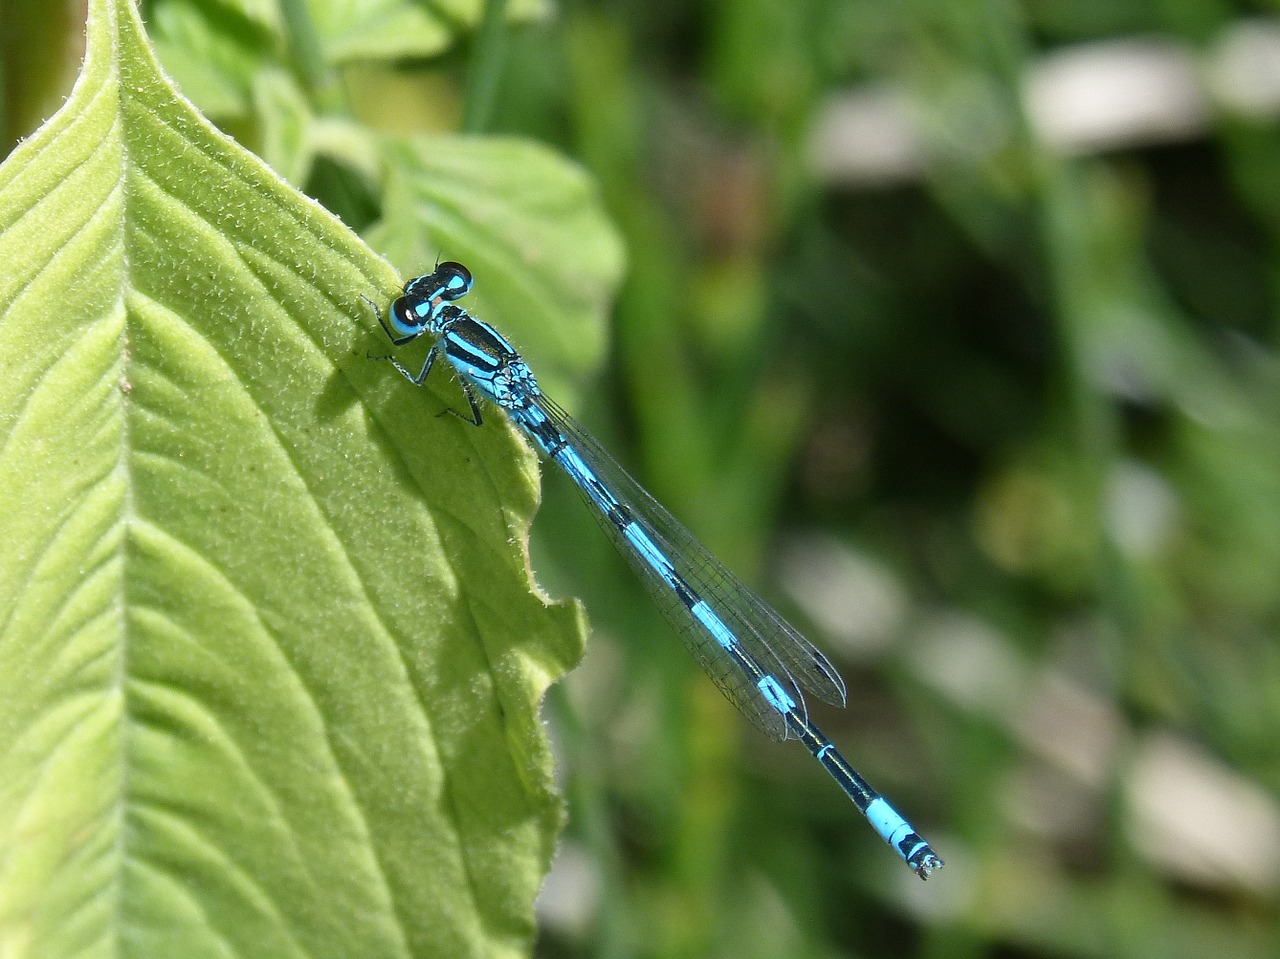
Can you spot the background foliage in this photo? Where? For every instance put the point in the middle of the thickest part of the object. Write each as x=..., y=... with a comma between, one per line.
x=999, y=425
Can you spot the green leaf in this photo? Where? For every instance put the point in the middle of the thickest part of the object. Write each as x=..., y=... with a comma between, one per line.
x=270, y=657
x=523, y=219
x=387, y=29
x=380, y=29
x=214, y=60
x=286, y=124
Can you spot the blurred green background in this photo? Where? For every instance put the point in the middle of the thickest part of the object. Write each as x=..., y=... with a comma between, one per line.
x=953, y=326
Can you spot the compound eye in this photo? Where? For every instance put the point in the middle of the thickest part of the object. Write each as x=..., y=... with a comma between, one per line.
x=455, y=280
x=403, y=317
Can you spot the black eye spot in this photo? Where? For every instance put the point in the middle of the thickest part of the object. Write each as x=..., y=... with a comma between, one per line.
x=404, y=315
x=454, y=278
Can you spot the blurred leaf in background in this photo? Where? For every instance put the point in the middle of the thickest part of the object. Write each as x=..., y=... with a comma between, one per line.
x=956, y=323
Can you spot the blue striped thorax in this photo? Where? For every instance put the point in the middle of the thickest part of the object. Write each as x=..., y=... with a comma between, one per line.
x=484, y=358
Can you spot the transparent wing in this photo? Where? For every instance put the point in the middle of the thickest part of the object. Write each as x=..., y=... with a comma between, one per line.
x=776, y=647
